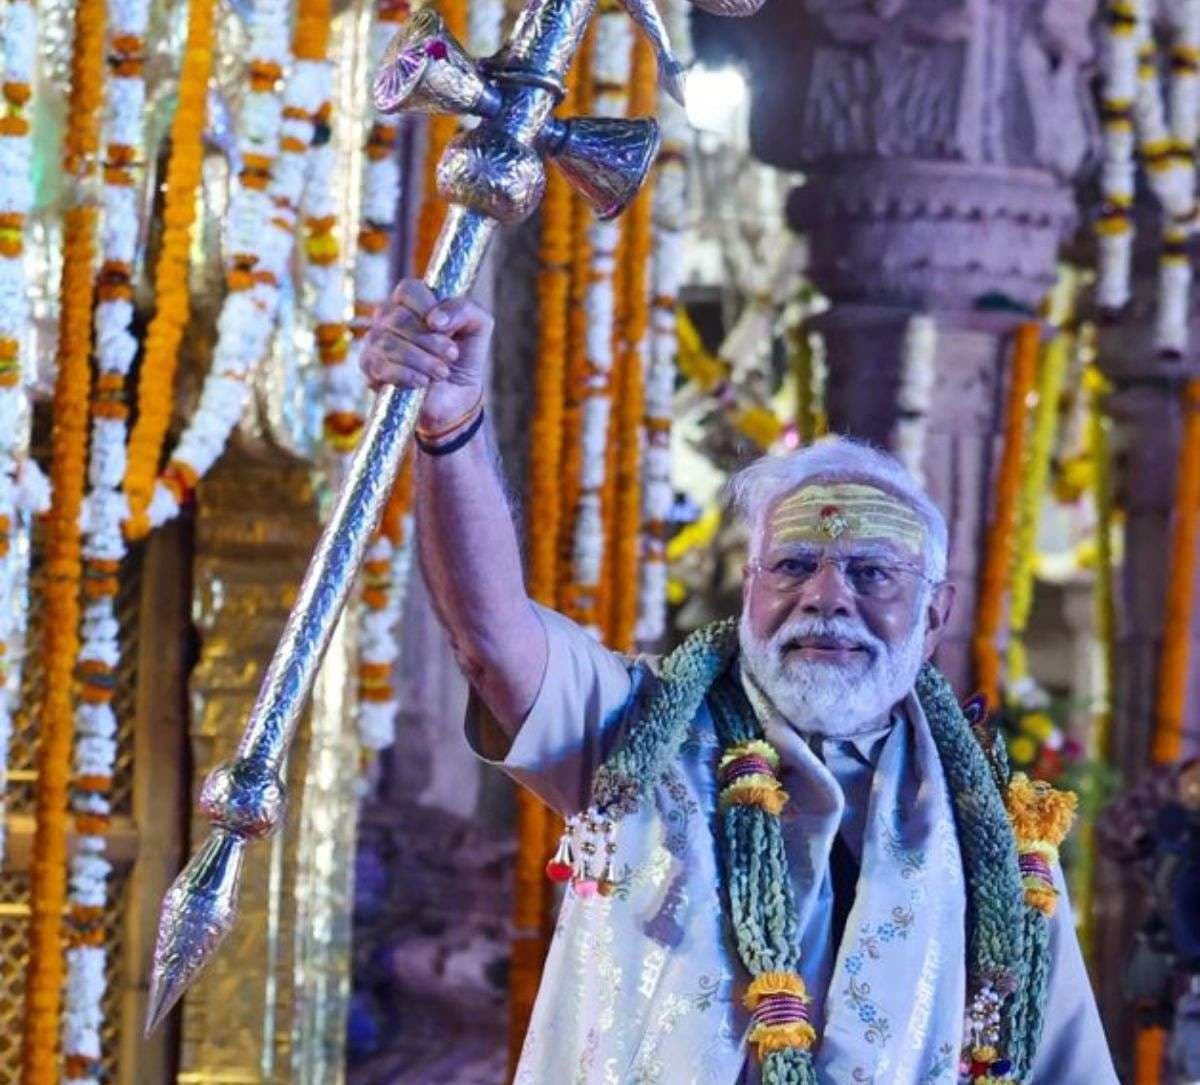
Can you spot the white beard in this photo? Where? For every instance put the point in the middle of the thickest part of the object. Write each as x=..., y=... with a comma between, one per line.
x=833, y=699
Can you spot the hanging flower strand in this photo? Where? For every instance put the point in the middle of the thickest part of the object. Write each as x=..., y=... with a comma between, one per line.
x=23, y=488
x=669, y=225
x=611, y=58
x=631, y=338
x=62, y=568
x=1164, y=131
x=273, y=138
x=104, y=511
x=160, y=354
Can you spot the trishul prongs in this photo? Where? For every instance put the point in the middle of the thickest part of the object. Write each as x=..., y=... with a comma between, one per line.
x=490, y=174
x=425, y=69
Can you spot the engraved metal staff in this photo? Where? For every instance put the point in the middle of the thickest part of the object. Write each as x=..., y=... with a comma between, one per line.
x=492, y=174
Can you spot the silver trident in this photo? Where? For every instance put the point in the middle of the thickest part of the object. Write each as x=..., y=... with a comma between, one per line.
x=492, y=174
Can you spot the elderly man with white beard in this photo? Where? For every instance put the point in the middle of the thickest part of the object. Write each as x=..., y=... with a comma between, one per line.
x=789, y=857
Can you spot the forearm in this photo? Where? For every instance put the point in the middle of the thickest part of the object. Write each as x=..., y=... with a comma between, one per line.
x=472, y=565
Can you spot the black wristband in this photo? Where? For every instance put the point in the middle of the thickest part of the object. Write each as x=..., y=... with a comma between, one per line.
x=455, y=443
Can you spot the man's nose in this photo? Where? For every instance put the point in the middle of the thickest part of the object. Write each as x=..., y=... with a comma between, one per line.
x=826, y=594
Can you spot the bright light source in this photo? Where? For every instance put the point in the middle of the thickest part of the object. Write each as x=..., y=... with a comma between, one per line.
x=714, y=96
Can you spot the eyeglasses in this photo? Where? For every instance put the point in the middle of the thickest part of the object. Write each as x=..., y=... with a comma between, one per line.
x=868, y=576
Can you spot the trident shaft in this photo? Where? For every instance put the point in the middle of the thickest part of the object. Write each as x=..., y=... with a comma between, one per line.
x=492, y=174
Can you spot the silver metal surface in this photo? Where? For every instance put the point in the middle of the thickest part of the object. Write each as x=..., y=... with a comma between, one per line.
x=606, y=159
x=731, y=8
x=491, y=174
x=426, y=70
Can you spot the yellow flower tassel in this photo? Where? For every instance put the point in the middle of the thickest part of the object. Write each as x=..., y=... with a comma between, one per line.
x=747, y=773
x=1041, y=817
x=779, y=1002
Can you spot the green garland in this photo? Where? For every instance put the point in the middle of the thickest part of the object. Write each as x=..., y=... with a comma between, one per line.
x=1007, y=941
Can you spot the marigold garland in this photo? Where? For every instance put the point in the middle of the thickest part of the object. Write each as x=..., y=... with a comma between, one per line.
x=44, y=977
x=390, y=553
x=104, y=511
x=632, y=332
x=275, y=133
x=23, y=488
x=1170, y=703
x=156, y=381
x=669, y=216
x=994, y=575
x=588, y=596
x=1097, y=389
x=1149, y=1054
x=1055, y=361
x=575, y=391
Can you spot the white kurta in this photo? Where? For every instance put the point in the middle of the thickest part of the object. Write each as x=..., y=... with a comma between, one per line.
x=645, y=986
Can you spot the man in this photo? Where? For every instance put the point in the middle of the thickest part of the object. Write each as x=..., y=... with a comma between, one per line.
x=791, y=859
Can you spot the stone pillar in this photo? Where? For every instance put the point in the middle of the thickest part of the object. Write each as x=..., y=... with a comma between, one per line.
x=938, y=142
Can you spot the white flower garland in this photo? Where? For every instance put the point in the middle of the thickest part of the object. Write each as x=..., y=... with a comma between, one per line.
x=23, y=488
x=1115, y=228
x=378, y=644
x=387, y=571
x=1166, y=137
x=612, y=58
x=343, y=389
x=915, y=393
x=274, y=135
x=669, y=226
x=104, y=511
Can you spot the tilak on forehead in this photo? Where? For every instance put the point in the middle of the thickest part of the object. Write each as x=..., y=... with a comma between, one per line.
x=847, y=511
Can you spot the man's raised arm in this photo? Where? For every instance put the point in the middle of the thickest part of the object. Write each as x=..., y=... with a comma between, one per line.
x=468, y=544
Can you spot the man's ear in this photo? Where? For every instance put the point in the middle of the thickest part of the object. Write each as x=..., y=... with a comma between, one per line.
x=937, y=616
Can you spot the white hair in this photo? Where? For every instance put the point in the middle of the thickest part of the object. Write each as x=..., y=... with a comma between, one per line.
x=838, y=459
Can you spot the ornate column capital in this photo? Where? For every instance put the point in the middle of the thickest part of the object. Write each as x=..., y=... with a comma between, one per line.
x=938, y=140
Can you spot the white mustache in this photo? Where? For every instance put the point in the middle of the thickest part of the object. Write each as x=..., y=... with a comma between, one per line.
x=844, y=629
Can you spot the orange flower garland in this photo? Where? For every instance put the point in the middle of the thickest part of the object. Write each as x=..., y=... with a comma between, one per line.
x=1149, y=1053
x=156, y=382
x=1172, y=690
x=994, y=576
x=43, y=992
x=576, y=366
x=632, y=334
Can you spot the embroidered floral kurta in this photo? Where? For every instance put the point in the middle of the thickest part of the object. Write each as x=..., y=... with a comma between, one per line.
x=645, y=986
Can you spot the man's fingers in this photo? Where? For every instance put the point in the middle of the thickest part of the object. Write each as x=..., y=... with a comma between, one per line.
x=415, y=296
x=412, y=368
x=458, y=316
x=390, y=337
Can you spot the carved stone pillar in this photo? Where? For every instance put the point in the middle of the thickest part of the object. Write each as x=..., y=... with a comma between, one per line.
x=937, y=143
x=271, y=1007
